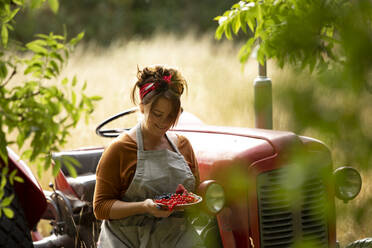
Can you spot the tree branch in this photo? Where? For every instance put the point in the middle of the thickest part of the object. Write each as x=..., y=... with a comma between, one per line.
x=10, y=77
x=23, y=97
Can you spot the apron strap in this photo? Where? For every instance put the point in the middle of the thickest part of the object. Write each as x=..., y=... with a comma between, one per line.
x=139, y=138
x=172, y=144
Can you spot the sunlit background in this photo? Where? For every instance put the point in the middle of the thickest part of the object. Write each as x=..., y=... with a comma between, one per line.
x=123, y=35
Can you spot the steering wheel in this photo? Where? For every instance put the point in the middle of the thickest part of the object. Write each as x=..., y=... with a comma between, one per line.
x=112, y=133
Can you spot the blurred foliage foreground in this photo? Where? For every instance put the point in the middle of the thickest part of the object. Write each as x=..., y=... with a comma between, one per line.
x=39, y=107
x=327, y=44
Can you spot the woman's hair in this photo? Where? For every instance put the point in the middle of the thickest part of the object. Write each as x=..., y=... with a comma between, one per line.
x=154, y=82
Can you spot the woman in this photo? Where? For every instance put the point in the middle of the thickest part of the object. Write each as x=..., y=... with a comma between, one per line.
x=144, y=163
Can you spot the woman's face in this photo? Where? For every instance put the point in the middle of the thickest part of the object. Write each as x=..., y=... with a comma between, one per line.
x=158, y=117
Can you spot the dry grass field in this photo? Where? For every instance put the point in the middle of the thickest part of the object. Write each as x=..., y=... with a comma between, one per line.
x=220, y=93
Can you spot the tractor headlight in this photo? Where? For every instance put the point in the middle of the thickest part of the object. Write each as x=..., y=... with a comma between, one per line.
x=214, y=198
x=348, y=183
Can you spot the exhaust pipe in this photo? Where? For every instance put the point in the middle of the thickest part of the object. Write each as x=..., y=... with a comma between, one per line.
x=263, y=107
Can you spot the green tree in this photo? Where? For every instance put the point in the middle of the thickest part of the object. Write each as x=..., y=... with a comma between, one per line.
x=327, y=43
x=330, y=37
x=35, y=107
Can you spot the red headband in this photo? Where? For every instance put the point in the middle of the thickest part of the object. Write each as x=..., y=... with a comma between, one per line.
x=147, y=88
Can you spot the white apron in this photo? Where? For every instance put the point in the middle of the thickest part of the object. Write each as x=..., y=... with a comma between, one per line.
x=157, y=172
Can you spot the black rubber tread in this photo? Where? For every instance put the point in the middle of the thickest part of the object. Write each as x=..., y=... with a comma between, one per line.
x=361, y=243
x=14, y=232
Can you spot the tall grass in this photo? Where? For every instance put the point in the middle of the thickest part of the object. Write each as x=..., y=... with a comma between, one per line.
x=220, y=91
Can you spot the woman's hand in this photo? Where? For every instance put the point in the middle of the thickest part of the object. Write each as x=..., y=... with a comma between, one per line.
x=152, y=208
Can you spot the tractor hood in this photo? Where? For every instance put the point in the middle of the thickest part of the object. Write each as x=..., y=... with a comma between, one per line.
x=213, y=144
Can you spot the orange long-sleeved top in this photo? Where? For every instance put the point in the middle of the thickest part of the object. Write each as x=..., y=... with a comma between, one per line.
x=116, y=169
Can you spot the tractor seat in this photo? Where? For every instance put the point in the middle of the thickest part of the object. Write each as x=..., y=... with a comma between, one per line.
x=88, y=160
x=83, y=186
x=85, y=181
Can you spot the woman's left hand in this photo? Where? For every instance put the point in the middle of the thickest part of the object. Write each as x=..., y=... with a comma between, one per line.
x=152, y=208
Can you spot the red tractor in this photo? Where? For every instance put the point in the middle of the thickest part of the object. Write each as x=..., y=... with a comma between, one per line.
x=242, y=171
x=260, y=188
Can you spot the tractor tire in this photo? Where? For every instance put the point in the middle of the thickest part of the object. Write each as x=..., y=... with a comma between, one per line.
x=362, y=243
x=14, y=232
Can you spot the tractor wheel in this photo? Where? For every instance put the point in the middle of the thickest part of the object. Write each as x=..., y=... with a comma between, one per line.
x=14, y=232
x=362, y=243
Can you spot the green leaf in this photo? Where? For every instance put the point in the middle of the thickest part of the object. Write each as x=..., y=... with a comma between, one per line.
x=8, y=212
x=86, y=119
x=11, y=16
x=3, y=150
x=243, y=24
x=56, y=167
x=49, y=73
x=18, y=2
x=47, y=162
x=259, y=15
x=75, y=40
x=54, y=66
x=246, y=50
x=74, y=81
x=39, y=170
x=20, y=139
x=236, y=25
x=7, y=200
x=36, y=47
x=3, y=70
x=3, y=181
x=260, y=55
x=27, y=154
x=58, y=37
x=70, y=168
x=1, y=193
x=64, y=81
x=34, y=67
x=57, y=56
x=40, y=42
x=251, y=23
x=88, y=103
x=95, y=98
x=18, y=179
x=5, y=171
x=219, y=32
x=68, y=107
x=72, y=160
x=43, y=36
x=36, y=3
x=85, y=85
x=235, y=6
x=4, y=34
x=11, y=177
x=228, y=32
x=54, y=5
x=73, y=97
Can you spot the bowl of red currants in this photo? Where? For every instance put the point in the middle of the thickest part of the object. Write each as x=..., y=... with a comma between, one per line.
x=177, y=201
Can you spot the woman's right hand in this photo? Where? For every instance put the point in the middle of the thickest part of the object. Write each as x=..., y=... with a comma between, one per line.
x=152, y=208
